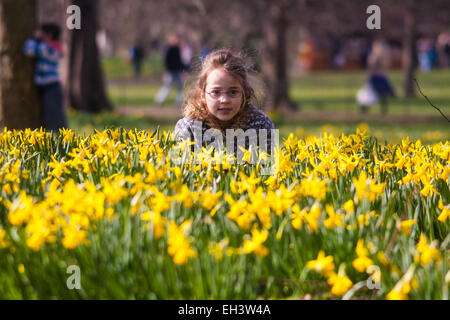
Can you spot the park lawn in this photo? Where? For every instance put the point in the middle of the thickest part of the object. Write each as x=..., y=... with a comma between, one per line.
x=329, y=91
x=84, y=123
x=119, y=67
x=137, y=95
x=335, y=91
x=317, y=91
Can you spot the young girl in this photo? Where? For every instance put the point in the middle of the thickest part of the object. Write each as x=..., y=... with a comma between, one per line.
x=222, y=99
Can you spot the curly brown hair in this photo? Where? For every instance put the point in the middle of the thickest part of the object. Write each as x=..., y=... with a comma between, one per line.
x=234, y=64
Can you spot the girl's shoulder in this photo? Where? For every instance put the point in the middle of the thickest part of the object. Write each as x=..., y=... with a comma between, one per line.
x=258, y=119
x=186, y=127
x=185, y=122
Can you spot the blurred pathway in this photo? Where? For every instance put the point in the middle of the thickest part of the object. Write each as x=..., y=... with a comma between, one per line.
x=157, y=113
x=172, y=113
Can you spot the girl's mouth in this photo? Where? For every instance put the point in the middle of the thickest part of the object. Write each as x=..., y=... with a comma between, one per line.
x=225, y=110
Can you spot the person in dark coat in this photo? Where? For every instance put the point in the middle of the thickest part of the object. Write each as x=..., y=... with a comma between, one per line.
x=137, y=56
x=379, y=64
x=174, y=68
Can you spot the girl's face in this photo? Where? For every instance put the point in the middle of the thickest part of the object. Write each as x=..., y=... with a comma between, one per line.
x=223, y=94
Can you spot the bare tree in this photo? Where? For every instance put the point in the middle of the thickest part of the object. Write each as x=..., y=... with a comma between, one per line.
x=20, y=105
x=275, y=52
x=409, y=48
x=420, y=17
x=86, y=85
x=270, y=27
x=54, y=11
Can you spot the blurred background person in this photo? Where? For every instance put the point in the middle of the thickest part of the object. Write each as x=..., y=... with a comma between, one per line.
x=186, y=55
x=137, y=57
x=378, y=64
x=46, y=48
x=443, y=49
x=174, y=67
x=426, y=53
x=306, y=54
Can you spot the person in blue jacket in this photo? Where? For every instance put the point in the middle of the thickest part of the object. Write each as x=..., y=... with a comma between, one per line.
x=47, y=50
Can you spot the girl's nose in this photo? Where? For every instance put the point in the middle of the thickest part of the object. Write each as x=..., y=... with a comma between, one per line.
x=223, y=97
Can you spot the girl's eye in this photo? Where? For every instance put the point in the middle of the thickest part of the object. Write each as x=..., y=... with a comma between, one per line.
x=234, y=93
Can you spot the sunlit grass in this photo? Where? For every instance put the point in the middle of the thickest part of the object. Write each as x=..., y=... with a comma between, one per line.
x=84, y=123
x=317, y=91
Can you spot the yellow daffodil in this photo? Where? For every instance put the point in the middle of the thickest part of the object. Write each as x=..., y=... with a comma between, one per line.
x=73, y=237
x=403, y=286
x=255, y=244
x=426, y=252
x=427, y=189
x=218, y=249
x=405, y=226
x=297, y=216
x=334, y=219
x=180, y=245
x=158, y=223
x=323, y=264
x=363, y=261
x=349, y=206
x=312, y=217
x=3, y=240
x=445, y=212
x=340, y=284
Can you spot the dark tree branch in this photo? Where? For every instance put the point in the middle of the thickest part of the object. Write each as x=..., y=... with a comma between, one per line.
x=429, y=100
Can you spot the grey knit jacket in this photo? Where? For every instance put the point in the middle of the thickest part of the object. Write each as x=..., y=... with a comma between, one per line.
x=186, y=128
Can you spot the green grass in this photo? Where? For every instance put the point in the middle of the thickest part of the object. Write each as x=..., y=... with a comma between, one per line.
x=426, y=132
x=117, y=67
x=84, y=123
x=318, y=91
x=336, y=91
x=137, y=95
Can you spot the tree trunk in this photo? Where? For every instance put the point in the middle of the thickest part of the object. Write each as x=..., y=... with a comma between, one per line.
x=55, y=11
x=409, y=49
x=20, y=106
x=275, y=51
x=86, y=84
